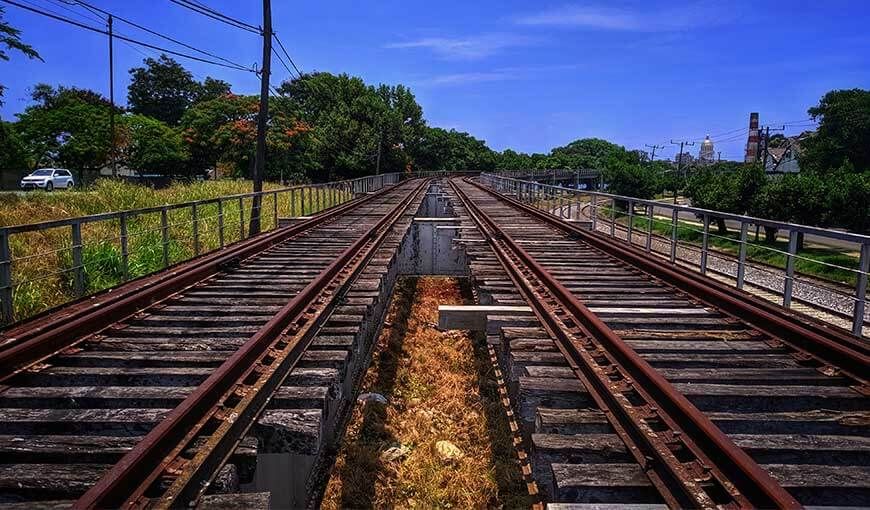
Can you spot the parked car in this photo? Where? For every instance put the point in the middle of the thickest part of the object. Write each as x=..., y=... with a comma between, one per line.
x=48, y=179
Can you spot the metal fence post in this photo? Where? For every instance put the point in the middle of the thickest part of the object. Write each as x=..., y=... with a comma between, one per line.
x=6, y=277
x=125, y=255
x=275, y=208
x=221, y=222
x=650, y=232
x=302, y=201
x=612, y=217
x=705, y=244
x=78, y=267
x=675, y=220
x=241, y=218
x=594, y=210
x=861, y=290
x=164, y=229
x=630, y=236
x=741, y=258
x=195, y=219
x=788, y=288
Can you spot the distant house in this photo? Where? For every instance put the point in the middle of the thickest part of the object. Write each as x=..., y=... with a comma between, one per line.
x=784, y=159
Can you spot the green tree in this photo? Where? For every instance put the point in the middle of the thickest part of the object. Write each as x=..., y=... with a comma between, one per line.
x=212, y=88
x=797, y=198
x=66, y=126
x=164, y=89
x=590, y=153
x=631, y=180
x=443, y=150
x=10, y=38
x=150, y=146
x=725, y=187
x=221, y=133
x=843, y=133
x=777, y=140
x=13, y=157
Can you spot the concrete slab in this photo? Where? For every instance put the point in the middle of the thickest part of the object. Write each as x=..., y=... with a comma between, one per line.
x=474, y=317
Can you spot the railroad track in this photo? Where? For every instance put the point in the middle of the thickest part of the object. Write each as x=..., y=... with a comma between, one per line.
x=166, y=388
x=635, y=382
x=827, y=300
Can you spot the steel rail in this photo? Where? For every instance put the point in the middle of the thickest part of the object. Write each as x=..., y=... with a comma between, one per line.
x=688, y=459
x=231, y=398
x=833, y=350
x=37, y=340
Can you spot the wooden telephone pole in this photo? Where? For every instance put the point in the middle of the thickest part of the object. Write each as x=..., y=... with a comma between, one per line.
x=260, y=157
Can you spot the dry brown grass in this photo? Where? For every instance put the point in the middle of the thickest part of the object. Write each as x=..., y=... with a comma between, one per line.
x=439, y=387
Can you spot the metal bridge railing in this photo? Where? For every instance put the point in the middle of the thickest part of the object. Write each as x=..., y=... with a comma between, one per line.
x=43, y=265
x=660, y=226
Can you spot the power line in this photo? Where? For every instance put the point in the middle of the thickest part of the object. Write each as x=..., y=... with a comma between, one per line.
x=287, y=55
x=158, y=34
x=218, y=16
x=57, y=17
x=278, y=56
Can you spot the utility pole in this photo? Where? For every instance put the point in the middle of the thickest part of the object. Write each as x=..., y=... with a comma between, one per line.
x=719, y=157
x=679, y=164
x=653, y=152
x=260, y=158
x=112, y=101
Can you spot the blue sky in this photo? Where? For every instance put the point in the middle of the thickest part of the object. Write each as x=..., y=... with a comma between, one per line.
x=521, y=75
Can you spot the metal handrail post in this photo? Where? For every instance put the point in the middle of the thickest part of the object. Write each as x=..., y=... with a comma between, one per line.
x=195, y=219
x=6, y=291
x=705, y=244
x=788, y=286
x=861, y=290
x=125, y=255
x=741, y=257
x=221, y=222
x=164, y=229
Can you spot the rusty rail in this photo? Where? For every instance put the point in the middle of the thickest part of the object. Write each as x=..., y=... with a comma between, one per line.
x=225, y=405
x=687, y=458
x=830, y=347
x=36, y=341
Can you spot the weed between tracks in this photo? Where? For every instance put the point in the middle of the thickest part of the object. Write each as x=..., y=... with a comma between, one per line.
x=439, y=387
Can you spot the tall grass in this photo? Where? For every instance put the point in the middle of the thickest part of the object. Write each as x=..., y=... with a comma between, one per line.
x=43, y=271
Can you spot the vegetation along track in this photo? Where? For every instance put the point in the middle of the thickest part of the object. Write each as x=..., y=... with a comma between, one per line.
x=144, y=394
x=637, y=382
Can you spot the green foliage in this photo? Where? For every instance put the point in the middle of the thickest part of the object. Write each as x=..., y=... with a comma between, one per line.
x=13, y=157
x=69, y=127
x=150, y=146
x=590, y=153
x=843, y=133
x=164, y=89
x=722, y=189
x=443, y=150
x=632, y=179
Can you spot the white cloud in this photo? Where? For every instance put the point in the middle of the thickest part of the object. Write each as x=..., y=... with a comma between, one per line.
x=501, y=74
x=704, y=13
x=467, y=48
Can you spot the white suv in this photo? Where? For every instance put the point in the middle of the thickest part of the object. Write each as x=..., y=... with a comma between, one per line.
x=48, y=179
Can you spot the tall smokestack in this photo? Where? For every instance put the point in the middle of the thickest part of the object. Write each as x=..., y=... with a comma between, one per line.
x=752, y=141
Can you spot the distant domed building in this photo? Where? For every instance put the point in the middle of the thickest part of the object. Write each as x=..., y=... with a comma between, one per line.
x=706, y=154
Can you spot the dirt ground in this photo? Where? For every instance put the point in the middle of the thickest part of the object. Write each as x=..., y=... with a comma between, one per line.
x=439, y=386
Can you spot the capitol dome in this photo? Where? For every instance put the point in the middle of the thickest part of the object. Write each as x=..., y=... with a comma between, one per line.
x=706, y=153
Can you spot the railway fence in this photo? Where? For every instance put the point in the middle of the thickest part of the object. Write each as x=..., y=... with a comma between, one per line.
x=563, y=202
x=44, y=265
